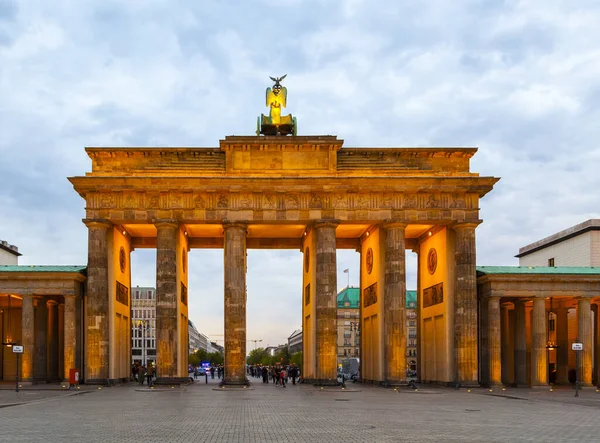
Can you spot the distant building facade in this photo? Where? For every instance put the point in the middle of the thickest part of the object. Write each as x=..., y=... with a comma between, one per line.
x=348, y=324
x=295, y=341
x=348, y=327
x=9, y=254
x=197, y=339
x=143, y=325
x=578, y=245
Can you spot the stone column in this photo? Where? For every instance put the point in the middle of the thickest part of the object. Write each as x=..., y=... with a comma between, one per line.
x=562, y=341
x=465, y=306
x=394, y=297
x=27, y=338
x=60, y=355
x=539, y=360
x=494, y=341
x=584, y=325
x=70, y=336
x=166, y=301
x=41, y=331
x=97, y=304
x=507, y=374
x=235, y=303
x=596, y=332
x=52, y=343
x=326, y=302
x=520, y=344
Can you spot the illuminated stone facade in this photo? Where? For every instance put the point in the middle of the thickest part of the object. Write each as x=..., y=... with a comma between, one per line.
x=305, y=193
x=40, y=309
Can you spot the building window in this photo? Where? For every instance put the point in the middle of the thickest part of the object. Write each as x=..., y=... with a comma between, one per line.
x=346, y=342
x=551, y=262
x=411, y=323
x=345, y=352
x=347, y=333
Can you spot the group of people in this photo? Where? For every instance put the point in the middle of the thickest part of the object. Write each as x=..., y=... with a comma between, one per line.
x=212, y=370
x=278, y=374
x=139, y=373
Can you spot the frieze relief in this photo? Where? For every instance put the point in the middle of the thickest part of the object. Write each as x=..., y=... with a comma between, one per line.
x=290, y=202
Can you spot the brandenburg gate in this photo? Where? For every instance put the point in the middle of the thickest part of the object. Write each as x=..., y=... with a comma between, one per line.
x=283, y=191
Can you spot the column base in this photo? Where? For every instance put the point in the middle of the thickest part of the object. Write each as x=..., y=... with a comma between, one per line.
x=321, y=382
x=395, y=383
x=244, y=382
x=465, y=384
x=172, y=381
x=97, y=381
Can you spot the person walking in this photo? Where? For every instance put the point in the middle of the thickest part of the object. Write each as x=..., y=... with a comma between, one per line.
x=212, y=372
x=265, y=374
x=283, y=376
x=150, y=374
x=141, y=374
x=293, y=374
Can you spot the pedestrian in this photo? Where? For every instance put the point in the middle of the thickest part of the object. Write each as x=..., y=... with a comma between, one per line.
x=283, y=376
x=195, y=372
x=265, y=374
x=212, y=372
x=150, y=374
x=142, y=374
x=293, y=374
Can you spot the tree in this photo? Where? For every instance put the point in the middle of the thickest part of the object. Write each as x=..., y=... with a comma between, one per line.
x=296, y=359
x=256, y=356
x=194, y=360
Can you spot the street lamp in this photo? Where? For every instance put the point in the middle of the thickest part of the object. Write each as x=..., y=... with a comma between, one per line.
x=143, y=326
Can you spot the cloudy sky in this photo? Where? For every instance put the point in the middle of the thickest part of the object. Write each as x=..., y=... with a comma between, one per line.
x=518, y=79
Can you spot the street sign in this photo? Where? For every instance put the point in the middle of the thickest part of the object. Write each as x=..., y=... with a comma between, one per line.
x=577, y=346
x=17, y=349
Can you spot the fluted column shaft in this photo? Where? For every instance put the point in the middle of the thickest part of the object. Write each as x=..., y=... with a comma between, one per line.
x=97, y=304
x=465, y=306
x=326, y=302
x=520, y=344
x=562, y=341
x=235, y=303
x=494, y=341
x=41, y=342
x=166, y=300
x=395, y=303
x=539, y=360
x=507, y=354
x=70, y=336
x=596, y=332
x=27, y=338
x=584, y=325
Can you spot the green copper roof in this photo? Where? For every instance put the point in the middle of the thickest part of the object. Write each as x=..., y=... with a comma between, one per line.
x=349, y=298
x=352, y=297
x=538, y=270
x=37, y=268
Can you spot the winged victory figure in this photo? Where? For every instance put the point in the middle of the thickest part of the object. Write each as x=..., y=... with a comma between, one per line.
x=275, y=123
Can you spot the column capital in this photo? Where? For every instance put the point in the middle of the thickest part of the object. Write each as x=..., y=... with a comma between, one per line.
x=326, y=223
x=494, y=297
x=235, y=224
x=163, y=222
x=465, y=225
x=387, y=224
x=97, y=223
x=51, y=303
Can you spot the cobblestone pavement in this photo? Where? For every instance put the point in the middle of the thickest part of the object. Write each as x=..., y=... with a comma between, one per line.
x=265, y=413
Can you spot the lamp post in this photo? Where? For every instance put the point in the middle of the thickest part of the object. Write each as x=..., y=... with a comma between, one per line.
x=355, y=326
x=143, y=326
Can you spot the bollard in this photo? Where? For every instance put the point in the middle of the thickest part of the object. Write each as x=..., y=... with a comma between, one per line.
x=206, y=377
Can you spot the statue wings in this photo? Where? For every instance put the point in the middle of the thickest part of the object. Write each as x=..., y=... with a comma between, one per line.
x=280, y=99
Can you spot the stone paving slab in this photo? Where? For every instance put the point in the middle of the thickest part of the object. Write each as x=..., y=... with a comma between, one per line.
x=297, y=414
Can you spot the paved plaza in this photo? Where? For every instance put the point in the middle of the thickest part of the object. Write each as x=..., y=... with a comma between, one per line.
x=264, y=413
